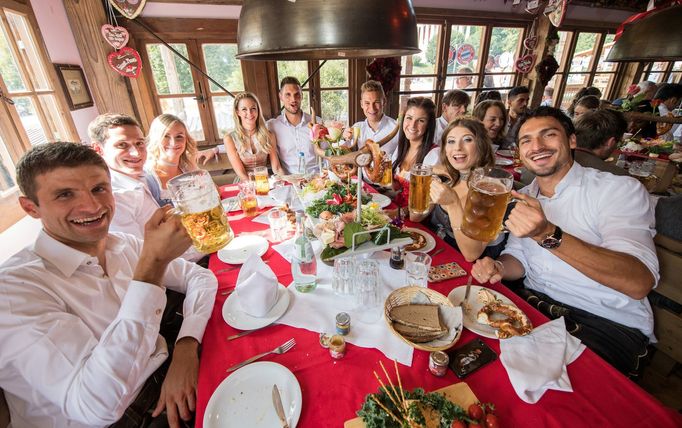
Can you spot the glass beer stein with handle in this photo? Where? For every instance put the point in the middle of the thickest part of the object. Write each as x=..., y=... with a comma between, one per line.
x=197, y=201
x=489, y=194
x=420, y=188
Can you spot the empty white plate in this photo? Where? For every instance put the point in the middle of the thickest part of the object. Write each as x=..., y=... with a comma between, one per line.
x=234, y=315
x=244, y=399
x=382, y=200
x=241, y=247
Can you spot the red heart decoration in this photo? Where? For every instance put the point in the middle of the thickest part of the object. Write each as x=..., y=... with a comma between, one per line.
x=115, y=36
x=125, y=62
x=128, y=8
x=524, y=64
x=530, y=42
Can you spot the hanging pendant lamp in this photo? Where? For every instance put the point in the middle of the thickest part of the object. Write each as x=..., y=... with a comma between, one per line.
x=326, y=29
x=656, y=37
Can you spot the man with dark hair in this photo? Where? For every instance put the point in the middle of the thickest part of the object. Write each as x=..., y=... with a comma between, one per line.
x=488, y=95
x=598, y=133
x=82, y=313
x=455, y=103
x=670, y=95
x=517, y=106
x=376, y=125
x=583, y=239
x=291, y=128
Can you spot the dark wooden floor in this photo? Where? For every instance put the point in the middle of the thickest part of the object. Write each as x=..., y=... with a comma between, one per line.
x=663, y=379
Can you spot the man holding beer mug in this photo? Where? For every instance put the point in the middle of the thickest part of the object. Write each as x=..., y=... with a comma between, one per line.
x=583, y=239
x=83, y=308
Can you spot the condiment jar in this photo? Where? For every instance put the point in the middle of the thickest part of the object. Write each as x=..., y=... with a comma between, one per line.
x=337, y=347
x=438, y=363
x=397, y=258
x=342, y=323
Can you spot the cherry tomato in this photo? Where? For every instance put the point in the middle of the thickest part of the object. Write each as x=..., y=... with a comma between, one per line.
x=475, y=412
x=491, y=421
x=458, y=424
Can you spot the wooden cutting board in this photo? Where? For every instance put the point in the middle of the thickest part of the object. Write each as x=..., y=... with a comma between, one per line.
x=458, y=393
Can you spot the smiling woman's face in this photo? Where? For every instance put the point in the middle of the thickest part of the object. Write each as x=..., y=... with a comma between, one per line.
x=415, y=123
x=460, y=148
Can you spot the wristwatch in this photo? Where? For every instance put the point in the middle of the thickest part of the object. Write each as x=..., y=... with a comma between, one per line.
x=553, y=240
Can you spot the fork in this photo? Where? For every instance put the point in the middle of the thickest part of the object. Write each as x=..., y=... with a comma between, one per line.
x=278, y=350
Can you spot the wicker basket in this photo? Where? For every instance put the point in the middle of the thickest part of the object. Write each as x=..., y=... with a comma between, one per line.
x=404, y=296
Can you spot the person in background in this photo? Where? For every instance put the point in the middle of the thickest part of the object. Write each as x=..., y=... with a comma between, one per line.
x=494, y=118
x=583, y=239
x=582, y=92
x=291, y=128
x=415, y=140
x=597, y=136
x=249, y=144
x=455, y=103
x=586, y=104
x=89, y=337
x=171, y=151
x=547, y=96
x=517, y=104
x=464, y=82
x=488, y=95
x=670, y=96
x=376, y=125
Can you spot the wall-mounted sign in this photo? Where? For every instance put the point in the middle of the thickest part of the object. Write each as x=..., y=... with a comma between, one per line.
x=465, y=54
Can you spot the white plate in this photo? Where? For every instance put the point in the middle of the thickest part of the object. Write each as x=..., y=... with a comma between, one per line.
x=382, y=200
x=235, y=317
x=457, y=295
x=430, y=242
x=231, y=204
x=506, y=153
x=503, y=161
x=244, y=399
x=241, y=247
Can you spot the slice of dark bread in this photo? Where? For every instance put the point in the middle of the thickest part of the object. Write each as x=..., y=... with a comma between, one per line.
x=424, y=317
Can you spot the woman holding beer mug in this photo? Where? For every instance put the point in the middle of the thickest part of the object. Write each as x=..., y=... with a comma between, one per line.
x=250, y=144
x=466, y=147
x=493, y=115
x=415, y=140
x=171, y=151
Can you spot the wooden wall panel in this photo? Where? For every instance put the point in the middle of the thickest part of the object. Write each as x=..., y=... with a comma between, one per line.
x=108, y=88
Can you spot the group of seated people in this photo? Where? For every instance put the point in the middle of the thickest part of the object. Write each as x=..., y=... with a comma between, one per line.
x=89, y=319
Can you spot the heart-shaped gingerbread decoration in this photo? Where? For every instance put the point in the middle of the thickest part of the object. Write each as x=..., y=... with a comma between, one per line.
x=530, y=42
x=125, y=62
x=128, y=8
x=115, y=36
x=524, y=64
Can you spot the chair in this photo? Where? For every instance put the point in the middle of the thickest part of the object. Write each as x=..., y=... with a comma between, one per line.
x=220, y=170
x=4, y=411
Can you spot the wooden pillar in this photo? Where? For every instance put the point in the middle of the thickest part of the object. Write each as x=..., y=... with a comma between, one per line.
x=532, y=80
x=629, y=71
x=258, y=78
x=108, y=88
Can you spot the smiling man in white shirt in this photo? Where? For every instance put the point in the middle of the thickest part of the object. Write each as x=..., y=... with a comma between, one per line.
x=583, y=239
x=80, y=309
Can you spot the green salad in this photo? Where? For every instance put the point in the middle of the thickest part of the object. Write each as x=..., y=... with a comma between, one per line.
x=336, y=200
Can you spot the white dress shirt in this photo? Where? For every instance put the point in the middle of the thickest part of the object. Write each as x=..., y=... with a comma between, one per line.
x=386, y=126
x=77, y=344
x=601, y=209
x=432, y=156
x=441, y=124
x=293, y=139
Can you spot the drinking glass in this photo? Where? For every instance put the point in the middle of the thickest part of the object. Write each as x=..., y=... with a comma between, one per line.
x=417, y=267
x=247, y=198
x=343, y=276
x=262, y=184
x=420, y=186
x=489, y=193
x=356, y=134
x=278, y=224
x=197, y=200
x=368, y=304
x=387, y=178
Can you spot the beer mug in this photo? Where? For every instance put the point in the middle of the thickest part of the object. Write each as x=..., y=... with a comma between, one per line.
x=489, y=193
x=261, y=177
x=420, y=188
x=386, y=179
x=196, y=198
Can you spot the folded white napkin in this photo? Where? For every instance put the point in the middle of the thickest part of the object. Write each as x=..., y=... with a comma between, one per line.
x=286, y=195
x=537, y=362
x=256, y=287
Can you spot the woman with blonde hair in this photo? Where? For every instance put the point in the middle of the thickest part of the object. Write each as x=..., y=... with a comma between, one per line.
x=250, y=144
x=171, y=151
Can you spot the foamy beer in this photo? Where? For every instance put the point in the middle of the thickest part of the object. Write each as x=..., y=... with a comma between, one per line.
x=420, y=186
x=196, y=198
x=489, y=193
x=261, y=178
x=386, y=179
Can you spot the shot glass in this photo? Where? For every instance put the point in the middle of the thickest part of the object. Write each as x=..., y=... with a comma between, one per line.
x=368, y=302
x=417, y=266
x=278, y=224
x=344, y=276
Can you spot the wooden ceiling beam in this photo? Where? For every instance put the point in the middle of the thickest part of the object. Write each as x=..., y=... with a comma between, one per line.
x=218, y=2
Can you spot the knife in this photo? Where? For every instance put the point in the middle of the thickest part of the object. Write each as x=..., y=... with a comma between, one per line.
x=465, y=302
x=277, y=401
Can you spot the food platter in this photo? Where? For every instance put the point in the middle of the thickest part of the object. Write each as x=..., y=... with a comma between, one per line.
x=422, y=241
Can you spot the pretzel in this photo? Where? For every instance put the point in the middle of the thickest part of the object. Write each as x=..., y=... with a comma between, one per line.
x=376, y=171
x=516, y=322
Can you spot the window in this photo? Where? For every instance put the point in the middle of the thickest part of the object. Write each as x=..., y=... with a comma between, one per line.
x=662, y=72
x=181, y=90
x=32, y=110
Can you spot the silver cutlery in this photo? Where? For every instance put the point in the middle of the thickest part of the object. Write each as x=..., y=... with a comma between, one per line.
x=243, y=333
x=278, y=350
x=465, y=302
x=435, y=253
x=277, y=402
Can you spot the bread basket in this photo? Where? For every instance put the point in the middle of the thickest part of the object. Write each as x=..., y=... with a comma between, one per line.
x=405, y=295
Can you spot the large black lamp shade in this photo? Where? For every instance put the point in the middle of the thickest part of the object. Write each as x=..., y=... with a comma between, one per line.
x=326, y=29
x=656, y=37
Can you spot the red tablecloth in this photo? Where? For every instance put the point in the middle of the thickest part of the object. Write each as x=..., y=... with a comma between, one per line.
x=333, y=390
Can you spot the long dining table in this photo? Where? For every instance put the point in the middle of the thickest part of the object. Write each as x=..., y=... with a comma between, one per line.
x=334, y=390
